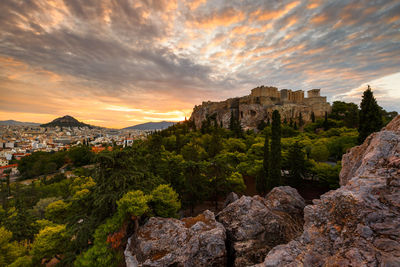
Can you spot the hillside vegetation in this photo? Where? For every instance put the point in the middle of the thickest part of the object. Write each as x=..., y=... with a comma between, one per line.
x=84, y=220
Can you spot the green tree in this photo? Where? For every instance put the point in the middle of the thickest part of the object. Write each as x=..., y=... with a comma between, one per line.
x=7, y=173
x=104, y=251
x=133, y=203
x=370, y=116
x=275, y=165
x=40, y=207
x=236, y=182
x=165, y=201
x=9, y=250
x=195, y=185
x=347, y=112
x=261, y=125
x=301, y=121
x=312, y=117
x=234, y=124
x=216, y=143
x=319, y=152
x=297, y=164
x=50, y=242
x=327, y=174
x=326, y=123
x=80, y=155
x=57, y=211
x=263, y=182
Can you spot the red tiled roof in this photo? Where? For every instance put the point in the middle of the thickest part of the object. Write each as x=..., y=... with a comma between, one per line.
x=9, y=166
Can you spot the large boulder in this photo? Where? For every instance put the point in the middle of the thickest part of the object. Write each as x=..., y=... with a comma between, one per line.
x=193, y=241
x=254, y=225
x=359, y=223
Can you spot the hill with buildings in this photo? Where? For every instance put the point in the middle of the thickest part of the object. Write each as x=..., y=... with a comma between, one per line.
x=151, y=126
x=259, y=105
x=66, y=121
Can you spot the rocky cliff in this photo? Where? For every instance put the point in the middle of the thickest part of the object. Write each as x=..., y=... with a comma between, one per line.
x=198, y=241
x=254, y=225
x=359, y=223
x=242, y=234
x=254, y=108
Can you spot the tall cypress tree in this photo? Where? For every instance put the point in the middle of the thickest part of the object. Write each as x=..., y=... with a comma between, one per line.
x=301, y=122
x=232, y=122
x=297, y=164
x=275, y=165
x=312, y=117
x=263, y=182
x=325, y=123
x=370, y=116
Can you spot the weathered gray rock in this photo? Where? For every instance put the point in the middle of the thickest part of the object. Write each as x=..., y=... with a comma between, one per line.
x=254, y=225
x=232, y=197
x=193, y=241
x=378, y=156
x=359, y=223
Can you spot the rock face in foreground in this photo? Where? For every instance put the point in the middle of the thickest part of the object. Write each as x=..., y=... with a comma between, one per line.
x=358, y=224
x=194, y=241
x=254, y=225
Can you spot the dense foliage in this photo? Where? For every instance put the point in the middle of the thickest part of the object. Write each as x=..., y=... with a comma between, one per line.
x=85, y=220
x=40, y=163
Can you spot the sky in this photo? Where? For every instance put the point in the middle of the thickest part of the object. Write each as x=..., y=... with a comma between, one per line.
x=117, y=63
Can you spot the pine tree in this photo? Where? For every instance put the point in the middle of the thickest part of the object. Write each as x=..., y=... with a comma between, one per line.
x=262, y=182
x=370, y=116
x=275, y=170
x=312, y=117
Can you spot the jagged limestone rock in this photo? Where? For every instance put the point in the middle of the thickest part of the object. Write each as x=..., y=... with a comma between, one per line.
x=194, y=241
x=254, y=225
x=232, y=197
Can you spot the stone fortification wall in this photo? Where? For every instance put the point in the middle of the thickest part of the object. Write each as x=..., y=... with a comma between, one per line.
x=264, y=91
x=313, y=93
x=260, y=104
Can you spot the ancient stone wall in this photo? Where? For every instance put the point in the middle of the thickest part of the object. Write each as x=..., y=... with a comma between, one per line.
x=313, y=93
x=260, y=104
x=263, y=91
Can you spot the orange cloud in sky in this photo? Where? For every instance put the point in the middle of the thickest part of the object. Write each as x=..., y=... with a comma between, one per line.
x=225, y=17
x=319, y=19
x=261, y=15
x=38, y=95
x=194, y=4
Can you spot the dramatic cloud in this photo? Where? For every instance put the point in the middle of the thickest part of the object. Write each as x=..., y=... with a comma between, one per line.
x=121, y=62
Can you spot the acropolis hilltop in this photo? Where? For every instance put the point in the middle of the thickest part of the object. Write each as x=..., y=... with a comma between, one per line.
x=260, y=104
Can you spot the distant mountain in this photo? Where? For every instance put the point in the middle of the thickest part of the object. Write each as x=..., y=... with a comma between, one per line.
x=151, y=126
x=66, y=121
x=22, y=123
